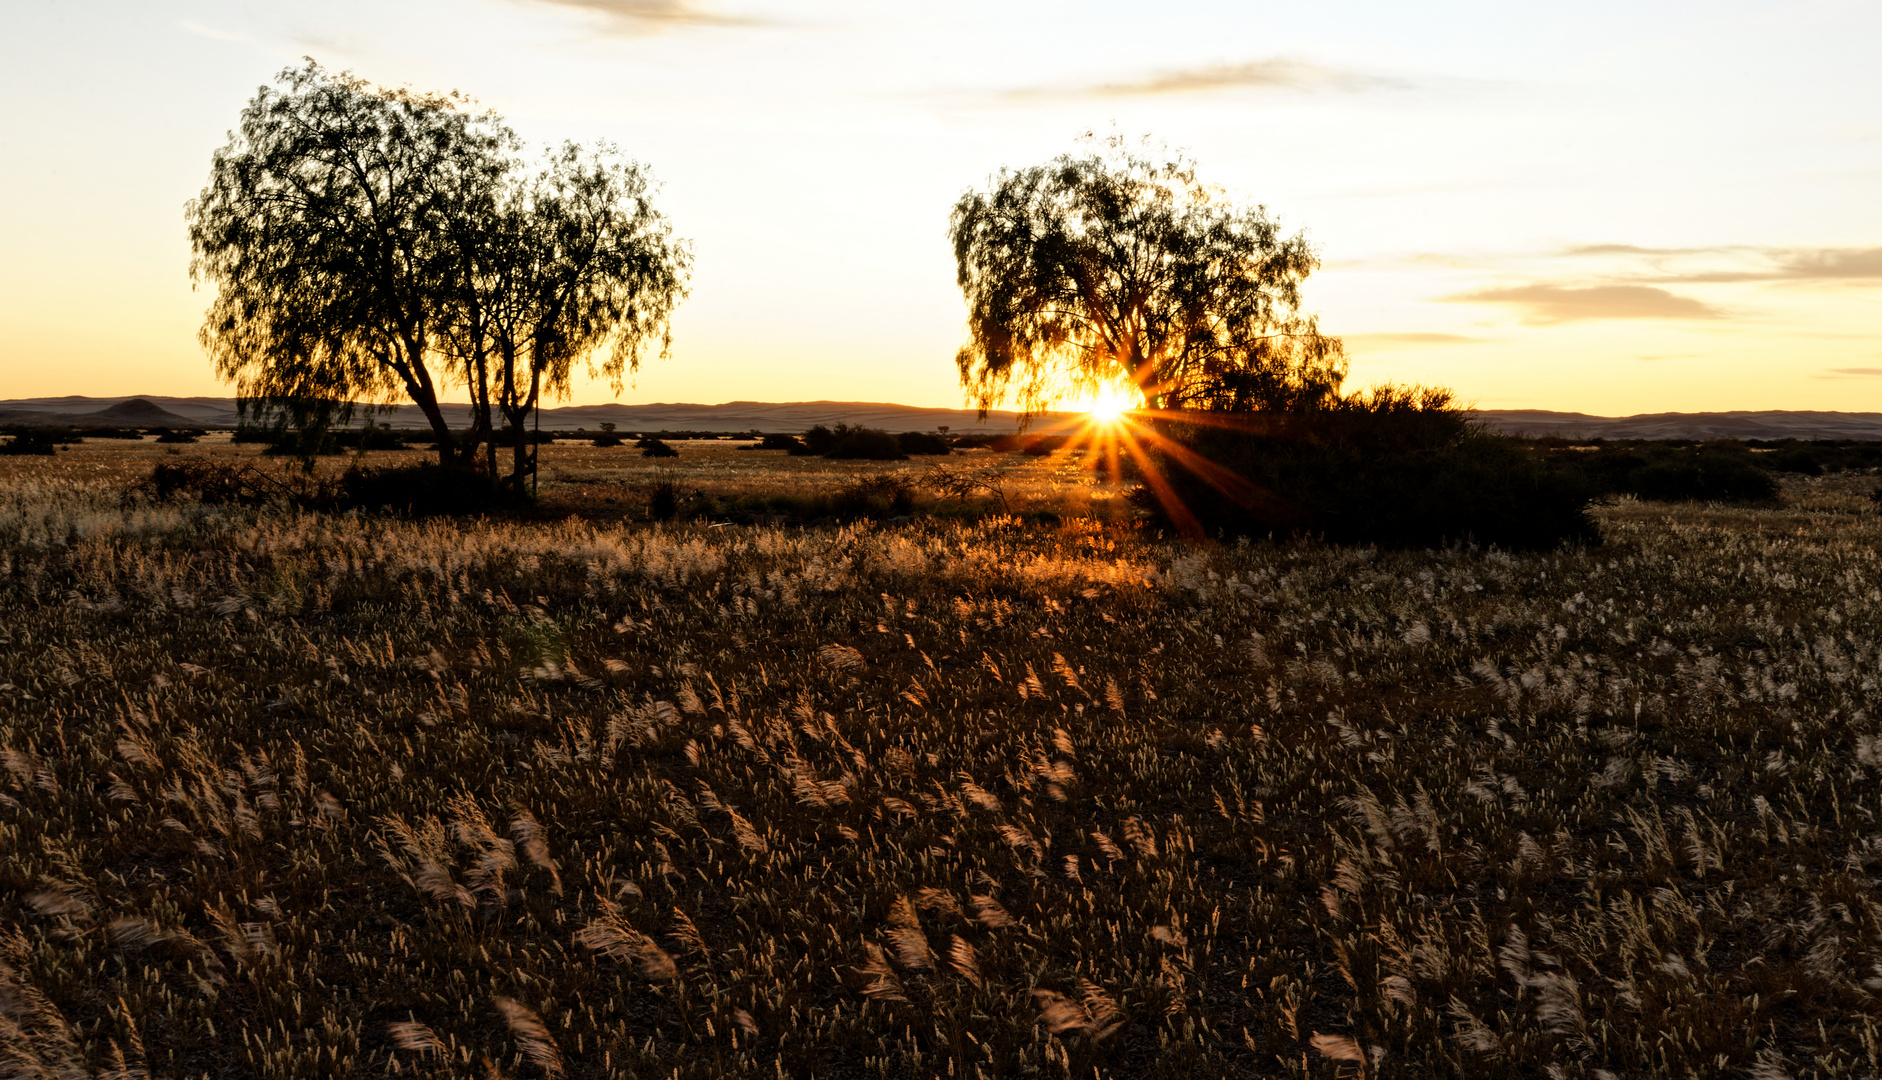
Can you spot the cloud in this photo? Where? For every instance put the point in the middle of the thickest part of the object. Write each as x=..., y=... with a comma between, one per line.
x=1271, y=74
x=1827, y=264
x=1544, y=303
x=1634, y=249
x=1769, y=263
x=1390, y=340
x=653, y=14
x=1852, y=373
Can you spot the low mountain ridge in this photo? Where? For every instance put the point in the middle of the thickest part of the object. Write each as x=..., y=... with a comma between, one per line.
x=153, y=410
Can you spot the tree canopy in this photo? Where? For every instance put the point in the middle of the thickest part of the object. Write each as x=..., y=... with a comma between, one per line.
x=1113, y=269
x=367, y=244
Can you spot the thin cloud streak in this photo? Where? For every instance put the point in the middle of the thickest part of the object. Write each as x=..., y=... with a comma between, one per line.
x=1411, y=338
x=1543, y=304
x=1271, y=74
x=1780, y=264
x=653, y=14
x=1852, y=373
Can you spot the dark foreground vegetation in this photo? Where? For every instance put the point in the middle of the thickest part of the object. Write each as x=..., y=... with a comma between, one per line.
x=291, y=794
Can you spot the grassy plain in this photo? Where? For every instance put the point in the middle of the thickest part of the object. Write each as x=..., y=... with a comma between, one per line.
x=290, y=795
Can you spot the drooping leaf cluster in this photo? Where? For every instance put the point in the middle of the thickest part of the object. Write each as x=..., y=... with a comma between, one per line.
x=368, y=244
x=1115, y=269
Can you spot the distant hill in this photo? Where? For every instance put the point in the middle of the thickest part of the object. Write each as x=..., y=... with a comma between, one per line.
x=730, y=416
x=1768, y=424
x=135, y=412
x=152, y=410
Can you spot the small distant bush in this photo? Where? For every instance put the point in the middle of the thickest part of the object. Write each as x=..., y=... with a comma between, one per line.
x=777, y=441
x=1677, y=472
x=1703, y=477
x=216, y=483
x=1032, y=445
x=820, y=440
x=29, y=443
x=663, y=501
x=865, y=444
x=1796, y=460
x=655, y=448
x=923, y=443
x=1399, y=468
x=875, y=496
x=420, y=491
x=166, y=435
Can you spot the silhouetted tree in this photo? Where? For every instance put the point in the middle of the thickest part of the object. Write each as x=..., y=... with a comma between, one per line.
x=367, y=242
x=557, y=267
x=1088, y=272
x=327, y=231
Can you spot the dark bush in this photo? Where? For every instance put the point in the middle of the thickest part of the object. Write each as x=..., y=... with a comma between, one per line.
x=654, y=448
x=1401, y=473
x=420, y=491
x=875, y=496
x=29, y=442
x=1702, y=476
x=215, y=483
x=923, y=443
x=865, y=444
x=1795, y=460
x=607, y=440
x=782, y=442
x=1676, y=471
x=820, y=440
x=663, y=501
x=166, y=435
x=1032, y=445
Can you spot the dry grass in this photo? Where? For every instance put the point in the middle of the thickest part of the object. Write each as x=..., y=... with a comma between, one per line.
x=298, y=796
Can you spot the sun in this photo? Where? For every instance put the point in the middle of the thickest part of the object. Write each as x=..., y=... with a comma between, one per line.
x=1109, y=407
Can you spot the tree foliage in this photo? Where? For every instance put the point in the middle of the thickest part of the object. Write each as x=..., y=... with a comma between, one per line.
x=563, y=265
x=1114, y=268
x=367, y=244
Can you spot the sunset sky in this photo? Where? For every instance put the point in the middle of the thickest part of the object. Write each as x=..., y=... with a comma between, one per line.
x=1611, y=208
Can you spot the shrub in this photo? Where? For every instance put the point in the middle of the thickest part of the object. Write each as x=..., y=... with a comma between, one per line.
x=820, y=440
x=865, y=444
x=29, y=442
x=1676, y=472
x=420, y=491
x=1400, y=469
x=214, y=483
x=782, y=442
x=1795, y=460
x=875, y=496
x=923, y=443
x=166, y=435
x=1703, y=476
x=654, y=448
x=663, y=501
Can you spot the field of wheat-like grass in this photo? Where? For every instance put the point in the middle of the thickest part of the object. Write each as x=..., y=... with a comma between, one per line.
x=289, y=795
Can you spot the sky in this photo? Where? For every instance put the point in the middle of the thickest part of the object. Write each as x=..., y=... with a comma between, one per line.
x=1602, y=207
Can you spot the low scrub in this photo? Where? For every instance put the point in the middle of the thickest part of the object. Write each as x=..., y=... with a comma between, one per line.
x=852, y=443
x=414, y=491
x=1663, y=472
x=29, y=442
x=1399, y=469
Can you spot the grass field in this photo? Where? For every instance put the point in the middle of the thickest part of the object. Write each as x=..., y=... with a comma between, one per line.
x=288, y=795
